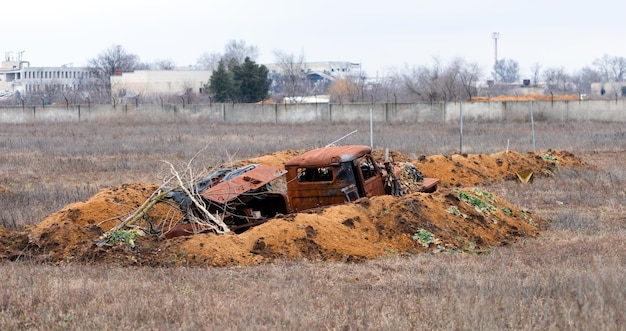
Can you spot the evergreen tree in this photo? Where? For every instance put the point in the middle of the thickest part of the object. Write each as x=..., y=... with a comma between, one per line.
x=221, y=84
x=251, y=81
x=244, y=83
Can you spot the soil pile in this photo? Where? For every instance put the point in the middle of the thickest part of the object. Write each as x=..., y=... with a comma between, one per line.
x=277, y=159
x=459, y=217
x=476, y=169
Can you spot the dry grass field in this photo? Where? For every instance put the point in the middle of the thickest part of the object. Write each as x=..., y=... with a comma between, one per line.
x=570, y=278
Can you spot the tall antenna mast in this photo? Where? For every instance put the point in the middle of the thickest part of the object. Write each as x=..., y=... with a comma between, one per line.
x=495, y=37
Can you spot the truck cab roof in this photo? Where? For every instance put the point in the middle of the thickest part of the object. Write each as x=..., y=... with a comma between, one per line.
x=328, y=155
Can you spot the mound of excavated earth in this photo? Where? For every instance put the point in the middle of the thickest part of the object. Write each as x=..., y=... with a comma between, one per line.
x=459, y=217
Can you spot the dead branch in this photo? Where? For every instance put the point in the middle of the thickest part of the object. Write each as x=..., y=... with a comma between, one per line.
x=188, y=189
x=139, y=213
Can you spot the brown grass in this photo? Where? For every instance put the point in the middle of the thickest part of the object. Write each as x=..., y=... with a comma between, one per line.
x=570, y=278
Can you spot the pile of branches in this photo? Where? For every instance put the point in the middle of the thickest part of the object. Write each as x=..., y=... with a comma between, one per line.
x=407, y=182
x=183, y=187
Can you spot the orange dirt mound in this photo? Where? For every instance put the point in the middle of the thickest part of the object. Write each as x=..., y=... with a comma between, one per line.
x=382, y=226
x=277, y=159
x=456, y=218
x=108, y=207
x=476, y=169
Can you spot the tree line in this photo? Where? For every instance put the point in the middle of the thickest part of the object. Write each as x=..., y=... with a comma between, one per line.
x=236, y=77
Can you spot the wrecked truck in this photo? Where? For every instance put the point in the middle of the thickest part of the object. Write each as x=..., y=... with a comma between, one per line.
x=247, y=196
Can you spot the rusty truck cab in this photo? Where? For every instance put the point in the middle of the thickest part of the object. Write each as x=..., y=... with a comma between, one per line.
x=332, y=175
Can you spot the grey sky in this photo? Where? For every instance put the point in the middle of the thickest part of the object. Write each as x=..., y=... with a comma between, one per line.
x=381, y=35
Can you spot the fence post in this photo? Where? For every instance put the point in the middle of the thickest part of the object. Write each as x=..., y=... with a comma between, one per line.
x=532, y=125
x=461, y=127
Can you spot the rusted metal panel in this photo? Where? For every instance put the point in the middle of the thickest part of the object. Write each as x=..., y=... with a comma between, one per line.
x=374, y=186
x=429, y=185
x=230, y=189
x=307, y=195
x=316, y=196
x=329, y=155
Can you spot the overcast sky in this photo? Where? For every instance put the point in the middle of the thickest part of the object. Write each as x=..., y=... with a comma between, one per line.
x=381, y=35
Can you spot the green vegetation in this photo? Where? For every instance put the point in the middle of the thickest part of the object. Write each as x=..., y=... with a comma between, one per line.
x=243, y=83
x=474, y=200
x=120, y=237
x=482, y=193
x=454, y=210
x=507, y=211
x=552, y=159
x=424, y=237
x=549, y=157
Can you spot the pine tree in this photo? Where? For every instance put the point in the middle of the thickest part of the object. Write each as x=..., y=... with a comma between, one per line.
x=251, y=81
x=246, y=83
x=221, y=84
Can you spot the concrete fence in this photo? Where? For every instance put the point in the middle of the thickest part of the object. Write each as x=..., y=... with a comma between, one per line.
x=438, y=112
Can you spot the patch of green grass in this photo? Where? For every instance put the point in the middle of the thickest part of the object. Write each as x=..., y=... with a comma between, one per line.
x=454, y=210
x=507, y=211
x=528, y=218
x=549, y=157
x=424, y=237
x=485, y=194
x=121, y=237
x=552, y=159
x=479, y=204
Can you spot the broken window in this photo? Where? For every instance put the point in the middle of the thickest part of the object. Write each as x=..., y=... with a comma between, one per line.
x=367, y=166
x=322, y=174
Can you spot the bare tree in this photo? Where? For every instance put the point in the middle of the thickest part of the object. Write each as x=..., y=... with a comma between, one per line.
x=209, y=61
x=291, y=81
x=557, y=80
x=164, y=64
x=611, y=68
x=535, y=70
x=583, y=80
x=507, y=71
x=113, y=59
x=238, y=51
x=440, y=82
x=390, y=89
x=469, y=74
x=425, y=82
x=235, y=52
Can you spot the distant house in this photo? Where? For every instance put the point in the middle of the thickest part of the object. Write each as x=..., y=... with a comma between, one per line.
x=610, y=89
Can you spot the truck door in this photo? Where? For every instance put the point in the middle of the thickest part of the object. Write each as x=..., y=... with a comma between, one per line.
x=371, y=177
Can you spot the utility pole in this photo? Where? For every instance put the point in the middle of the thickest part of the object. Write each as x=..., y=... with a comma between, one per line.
x=495, y=37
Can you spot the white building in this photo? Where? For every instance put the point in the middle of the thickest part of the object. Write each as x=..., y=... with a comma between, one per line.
x=18, y=78
x=159, y=82
x=609, y=89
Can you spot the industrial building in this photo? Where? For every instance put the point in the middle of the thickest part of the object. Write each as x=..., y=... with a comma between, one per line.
x=159, y=82
x=18, y=78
